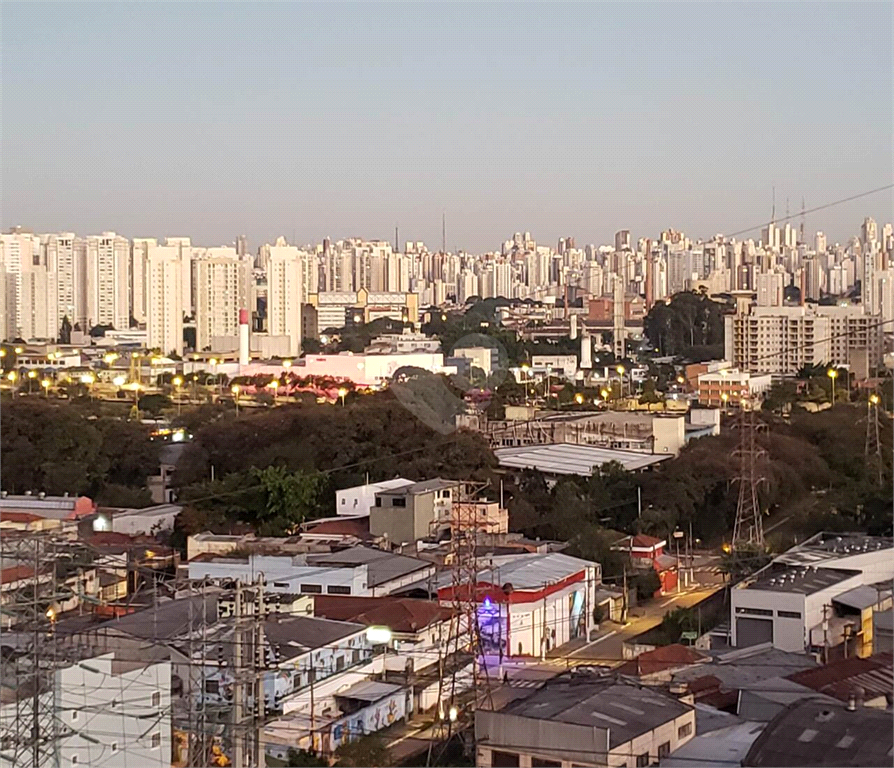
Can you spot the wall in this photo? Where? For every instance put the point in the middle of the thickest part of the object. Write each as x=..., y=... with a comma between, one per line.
x=282, y=575
x=669, y=433
x=668, y=733
x=788, y=634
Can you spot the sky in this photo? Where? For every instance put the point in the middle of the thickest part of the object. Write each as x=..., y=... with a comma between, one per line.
x=306, y=120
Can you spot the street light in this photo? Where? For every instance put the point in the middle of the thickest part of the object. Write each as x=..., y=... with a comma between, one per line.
x=579, y=399
x=119, y=381
x=620, y=369
x=341, y=393
x=874, y=399
x=12, y=376
x=19, y=350
x=286, y=364
x=88, y=379
x=45, y=383
x=32, y=374
x=177, y=381
x=725, y=398
x=832, y=374
x=236, y=389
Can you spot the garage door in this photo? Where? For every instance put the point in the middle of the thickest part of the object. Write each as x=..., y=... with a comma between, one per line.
x=753, y=631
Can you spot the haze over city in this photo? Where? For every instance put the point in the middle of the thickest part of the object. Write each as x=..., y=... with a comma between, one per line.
x=344, y=120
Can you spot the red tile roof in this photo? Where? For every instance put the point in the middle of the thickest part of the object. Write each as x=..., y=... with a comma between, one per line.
x=400, y=614
x=645, y=541
x=662, y=658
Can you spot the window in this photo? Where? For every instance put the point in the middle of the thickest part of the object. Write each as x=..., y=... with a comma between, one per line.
x=398, y=501
x=789, y=614
x=664, y=749
x=315, y=589
x=642, y=760
x=335, y=589
x=684, y=730
x=755, y=611
x=74, y=715
x=75, y=760
x=114, y=746
x=155, y=741
x=339, y=663
x=378, y=501
x=212, y=686
x=281, y=584
x=500, y=759
x=539, y=762
x=156, y=699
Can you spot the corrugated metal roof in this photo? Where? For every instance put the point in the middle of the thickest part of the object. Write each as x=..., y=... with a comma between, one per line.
x=569, y=459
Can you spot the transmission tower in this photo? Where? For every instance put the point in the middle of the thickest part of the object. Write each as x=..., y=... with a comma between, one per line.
x=464, y=635
x=874, y=460
x=29, y=735
x=749, y=526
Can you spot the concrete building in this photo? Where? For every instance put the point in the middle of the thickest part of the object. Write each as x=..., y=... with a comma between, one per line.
x=781, y=340
x=531, y=603
x=108, y=280
x=111, y=713
x=808, y=597
x=729, y=387
x=164, y=299
x=484, y=358
x=65, y=255
x=371, y=370
x=359, y=500
x=39, y=308
x=139, y=278
x=284, y=297
x=357, y=571
x=584, y=719
x=223, y=283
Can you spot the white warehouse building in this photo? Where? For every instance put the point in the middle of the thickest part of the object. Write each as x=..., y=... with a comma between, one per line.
x=815, y=595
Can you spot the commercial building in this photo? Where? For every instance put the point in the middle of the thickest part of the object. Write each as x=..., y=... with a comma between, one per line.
x=567, y=459
x=359, y=500
x=531, y=603
x=812, y=597
x=729, y=387
x=371, y=370
x=584, y=719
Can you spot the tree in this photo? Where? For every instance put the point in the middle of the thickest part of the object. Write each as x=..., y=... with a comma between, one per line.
x=154, y=403
x=98, y=331
x=647, y=584
x=302, y=758
x=742, y=561
x=289, y=499
x=366, y=751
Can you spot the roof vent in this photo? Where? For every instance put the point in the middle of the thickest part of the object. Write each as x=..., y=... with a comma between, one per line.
x=27, y=493
x=41, y=495
x=4, y=494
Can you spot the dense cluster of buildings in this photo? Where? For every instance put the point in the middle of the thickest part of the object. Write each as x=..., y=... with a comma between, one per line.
x=287, y=293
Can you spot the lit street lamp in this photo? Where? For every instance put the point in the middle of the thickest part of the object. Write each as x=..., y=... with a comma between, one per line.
x=45, y=383
x=832, y=374
x=342, y=392
x=177, y=381
x=620, y=369
x=236, y=389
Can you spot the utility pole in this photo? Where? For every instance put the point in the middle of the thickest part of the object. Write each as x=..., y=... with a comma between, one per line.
x=826, y=634
x=238, y=726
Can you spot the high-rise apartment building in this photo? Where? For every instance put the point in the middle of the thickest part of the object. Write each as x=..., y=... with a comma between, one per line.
x=868, y=231
x=184, y=253
x=222, y=288
x=164, y=299
x=781, y=340
x=108, y=280
x=20, y=254
x=39, y=308
x=139, y=259
x=622, y=240
x=284, y=297
x=65, y=255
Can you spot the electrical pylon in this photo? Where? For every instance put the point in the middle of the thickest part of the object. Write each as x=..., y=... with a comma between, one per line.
x=749, y=526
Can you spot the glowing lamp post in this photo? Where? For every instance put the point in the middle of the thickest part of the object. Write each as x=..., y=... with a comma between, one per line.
x=832, y=374
x=177, y=381
x=45, y=383
x=236, y=389
x=342, y=393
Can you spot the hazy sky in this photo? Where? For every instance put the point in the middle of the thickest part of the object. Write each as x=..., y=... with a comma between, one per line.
x=263, y=118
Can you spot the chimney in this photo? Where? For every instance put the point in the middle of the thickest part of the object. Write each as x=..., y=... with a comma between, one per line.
x=244, y=349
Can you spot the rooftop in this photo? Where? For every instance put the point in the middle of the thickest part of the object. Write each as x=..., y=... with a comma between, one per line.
x=530, y=570
x=400, y=614
x=568, y=459
x=369, y=691
x=722, y=747
x=804, y=580
x=626, y=710
x=424, y=486
x=661, y=659
x=383, y=566
x=825, y=547
x=297, y=634
x=819, y=733
x=842, y=678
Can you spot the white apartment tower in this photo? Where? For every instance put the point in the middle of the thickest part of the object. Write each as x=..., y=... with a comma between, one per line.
x=164, y=299
x=284, y=277
x=38, y=308
x=108, y=280
x=139, y=258
x=183, y=245
x=19, y=255
x=66, y=256
x=222, y=288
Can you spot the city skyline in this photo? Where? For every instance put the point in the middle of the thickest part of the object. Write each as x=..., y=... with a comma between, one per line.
x=562, y=124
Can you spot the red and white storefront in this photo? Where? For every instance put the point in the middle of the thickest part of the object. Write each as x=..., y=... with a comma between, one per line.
x=529, y=604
